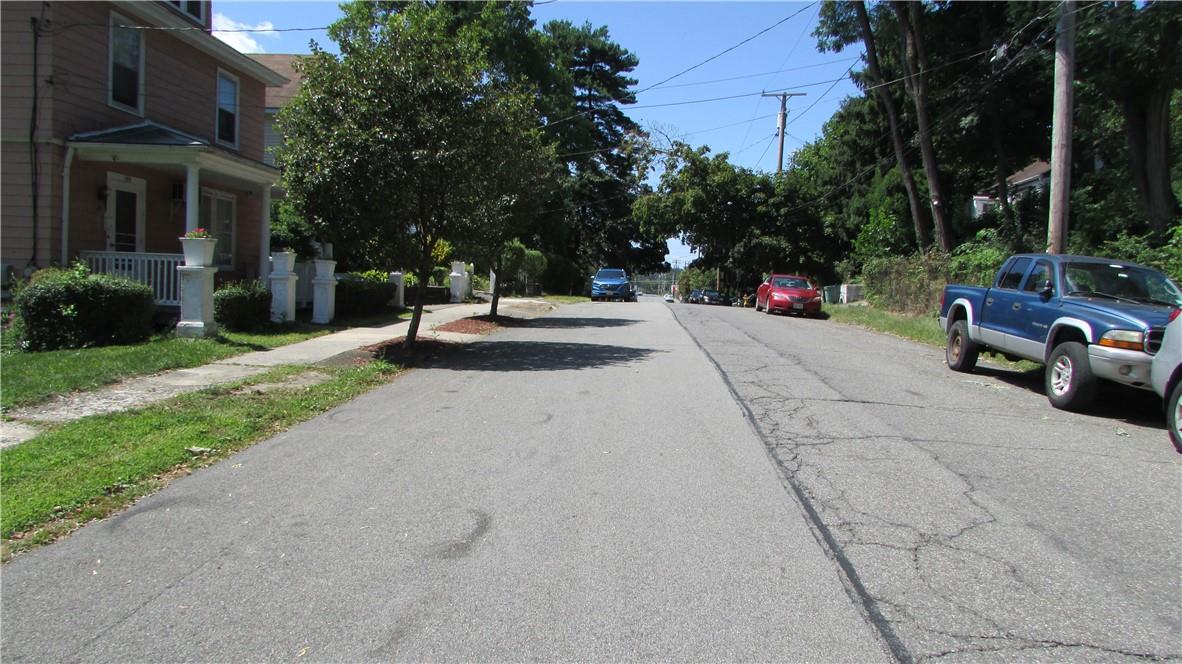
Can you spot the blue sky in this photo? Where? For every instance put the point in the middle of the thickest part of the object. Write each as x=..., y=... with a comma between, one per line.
x=667, y=37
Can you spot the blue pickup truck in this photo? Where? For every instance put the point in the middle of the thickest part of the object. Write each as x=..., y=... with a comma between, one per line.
x=1084, y=318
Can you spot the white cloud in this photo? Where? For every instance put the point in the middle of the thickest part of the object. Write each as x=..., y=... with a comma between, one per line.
x=243, y=42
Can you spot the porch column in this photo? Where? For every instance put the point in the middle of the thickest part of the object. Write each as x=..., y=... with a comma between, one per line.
x=192, y=197
x=265, y=233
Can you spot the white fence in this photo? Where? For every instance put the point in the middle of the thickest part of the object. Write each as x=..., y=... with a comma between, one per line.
x=155, y=270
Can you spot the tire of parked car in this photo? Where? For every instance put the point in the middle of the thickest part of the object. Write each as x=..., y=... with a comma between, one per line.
x=1173, y=417
x=961, y=352
x=1070, y=383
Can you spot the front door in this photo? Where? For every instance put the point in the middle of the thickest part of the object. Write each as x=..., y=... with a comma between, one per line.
x=126, y=213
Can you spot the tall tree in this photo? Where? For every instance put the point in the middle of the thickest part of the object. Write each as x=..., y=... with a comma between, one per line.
x=909, y=15
x=837, y=29
x=390, y=146
x=604, y=152
x=1132, y=54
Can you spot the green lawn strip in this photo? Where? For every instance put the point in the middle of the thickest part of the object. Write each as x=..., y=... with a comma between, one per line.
x=922, y=328
x=925, y=329
x=566, y=299
x=95, y=466
x=28, y=378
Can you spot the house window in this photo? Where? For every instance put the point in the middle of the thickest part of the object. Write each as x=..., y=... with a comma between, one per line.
x=217, y=213
x=227, y=118
x=126, y=79
x=191, y=7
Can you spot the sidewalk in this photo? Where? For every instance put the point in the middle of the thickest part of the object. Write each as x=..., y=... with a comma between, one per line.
x=137, y=392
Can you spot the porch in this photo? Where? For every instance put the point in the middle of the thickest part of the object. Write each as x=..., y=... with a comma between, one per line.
x=130, y=192
x=155, y=270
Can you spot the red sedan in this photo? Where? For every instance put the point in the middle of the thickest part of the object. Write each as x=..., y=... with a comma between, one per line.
x=788, y=293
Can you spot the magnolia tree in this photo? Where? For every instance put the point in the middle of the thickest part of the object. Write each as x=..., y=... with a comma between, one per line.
x=409, y=138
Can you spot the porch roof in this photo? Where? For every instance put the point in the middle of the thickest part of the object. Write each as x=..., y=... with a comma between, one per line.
x=153, y=143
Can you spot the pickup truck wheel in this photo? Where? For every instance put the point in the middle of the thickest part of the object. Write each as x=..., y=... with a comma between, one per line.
x=1070, y=383
x=1174, y=415
x=961, y=352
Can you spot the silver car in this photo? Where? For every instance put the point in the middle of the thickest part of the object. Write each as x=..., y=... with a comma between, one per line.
x=1166, y=376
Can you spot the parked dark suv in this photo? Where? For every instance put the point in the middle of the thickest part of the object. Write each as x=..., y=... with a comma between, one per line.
x=714, y=297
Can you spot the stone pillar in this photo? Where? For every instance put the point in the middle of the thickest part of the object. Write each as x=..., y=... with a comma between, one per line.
x=397, y=279
x=283, y=287
x=459, y=281
x=192, y=197
x=196, y=301
x=324, y=292
x=265, y=232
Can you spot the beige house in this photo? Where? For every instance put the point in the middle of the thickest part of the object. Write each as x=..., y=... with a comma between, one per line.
x=124, y=125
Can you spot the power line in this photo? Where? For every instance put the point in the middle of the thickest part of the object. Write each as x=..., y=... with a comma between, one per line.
x=728, y=50
x=766, y=73
x=826, y=93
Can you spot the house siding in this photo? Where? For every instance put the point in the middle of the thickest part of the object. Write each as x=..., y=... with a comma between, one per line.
x=180, y=82
x=180, y=88
x=16, y=158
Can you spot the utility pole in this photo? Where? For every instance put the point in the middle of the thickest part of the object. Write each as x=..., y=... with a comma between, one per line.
x=1061, y=130
x=782, y=123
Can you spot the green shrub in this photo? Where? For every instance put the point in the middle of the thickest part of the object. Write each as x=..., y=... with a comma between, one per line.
x=363, y=293
x=242, y=305
x=72, y=308
x=906, y=284
x=976, y=262
x=1137, y=248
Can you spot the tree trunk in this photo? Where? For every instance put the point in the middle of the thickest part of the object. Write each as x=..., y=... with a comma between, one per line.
x=1147, y=129
x=908, y=14
x=1001, y=167
x=412, y=332
x=496, y=293
x=888, y=105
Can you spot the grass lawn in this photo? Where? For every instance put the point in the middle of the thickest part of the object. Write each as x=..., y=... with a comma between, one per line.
x=95, y=466
x=917, y=328
x=31, y=377
x=566, y=299
x=925, y=329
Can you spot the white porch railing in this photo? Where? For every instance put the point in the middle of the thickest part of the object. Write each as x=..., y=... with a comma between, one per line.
x=155, y=270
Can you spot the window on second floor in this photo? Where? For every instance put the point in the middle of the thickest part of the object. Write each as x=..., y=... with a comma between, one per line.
x=227, y=114
x=126, y=72
x=193, y=8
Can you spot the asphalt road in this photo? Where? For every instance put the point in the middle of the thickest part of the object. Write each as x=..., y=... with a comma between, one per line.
x=582, y=488
x=974, y=521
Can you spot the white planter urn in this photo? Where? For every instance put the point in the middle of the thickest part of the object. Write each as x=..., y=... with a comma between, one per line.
x=324, y=268
x=282, y=262
x=198, y=250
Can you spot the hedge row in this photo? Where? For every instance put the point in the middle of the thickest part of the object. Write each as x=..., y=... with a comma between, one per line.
x=72, y=308
x=242, y=305
x=363, y=293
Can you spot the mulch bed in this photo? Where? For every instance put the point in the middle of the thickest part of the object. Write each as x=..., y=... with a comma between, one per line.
x=473, y=325
x=395, y=350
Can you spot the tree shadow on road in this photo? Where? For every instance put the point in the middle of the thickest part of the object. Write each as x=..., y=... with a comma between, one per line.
x=1114, y=401
x=565, y=323
x=536, y=356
